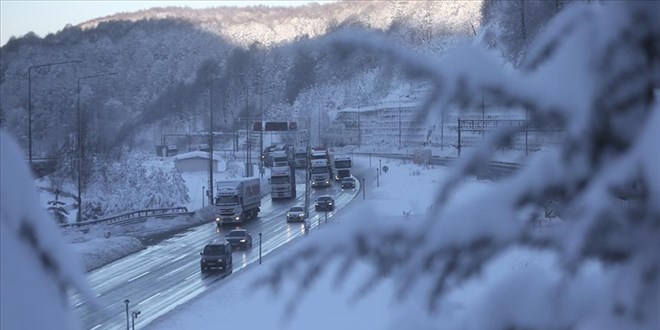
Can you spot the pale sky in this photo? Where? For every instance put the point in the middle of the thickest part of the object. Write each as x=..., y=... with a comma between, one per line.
x=18, y=17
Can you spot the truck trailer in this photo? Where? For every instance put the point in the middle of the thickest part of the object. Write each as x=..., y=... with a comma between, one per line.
x=283, y=182
x=237, y=201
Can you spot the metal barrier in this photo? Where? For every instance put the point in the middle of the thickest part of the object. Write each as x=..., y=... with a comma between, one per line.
x=134, y=217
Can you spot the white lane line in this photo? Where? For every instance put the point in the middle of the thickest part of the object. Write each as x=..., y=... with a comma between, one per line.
x=173, y=271
x=152, y=297
x=178, y=258
x=79, y=304
x=136, y=277
x=96, y=327
x=191, y=276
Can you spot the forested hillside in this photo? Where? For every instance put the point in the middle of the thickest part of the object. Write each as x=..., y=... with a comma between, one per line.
x=272, y=61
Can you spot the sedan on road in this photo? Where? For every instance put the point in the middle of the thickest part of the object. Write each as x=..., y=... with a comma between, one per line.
x=348, y=182
x=239, y=238
x=295, y=213
x=325, y=203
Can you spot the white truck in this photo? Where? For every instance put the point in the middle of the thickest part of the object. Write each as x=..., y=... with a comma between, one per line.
x=340, y=166
x=300, y=157
x=237, y=201
x=319, y=173
x=283, y=182
x=281, y=158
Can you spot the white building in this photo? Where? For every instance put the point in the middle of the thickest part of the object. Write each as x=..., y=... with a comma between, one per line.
x=196, y=161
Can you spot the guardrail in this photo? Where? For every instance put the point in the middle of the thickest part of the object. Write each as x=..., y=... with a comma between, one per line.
x=134, y=217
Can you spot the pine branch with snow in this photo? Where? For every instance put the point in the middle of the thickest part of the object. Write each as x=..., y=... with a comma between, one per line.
x=592, y=73
x=37, y=271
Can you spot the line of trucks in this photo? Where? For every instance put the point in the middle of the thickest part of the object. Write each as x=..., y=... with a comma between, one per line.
x=239, y=200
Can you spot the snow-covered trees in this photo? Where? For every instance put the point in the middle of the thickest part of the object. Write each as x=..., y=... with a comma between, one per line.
x=140, y=187
x=592, y=71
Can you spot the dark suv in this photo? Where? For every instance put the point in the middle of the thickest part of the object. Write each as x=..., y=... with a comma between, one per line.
x=216, y=254
x=239, y=238
x=324, y=203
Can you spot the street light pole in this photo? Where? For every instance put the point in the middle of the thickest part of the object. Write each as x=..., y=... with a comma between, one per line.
x=359, y=128
x=30, y=101
x=210, y=145
x=260, y=248
x=248, y=164
x=80, y=144
x=126, y=301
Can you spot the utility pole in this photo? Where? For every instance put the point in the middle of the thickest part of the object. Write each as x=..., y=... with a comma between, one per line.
x=359, y=128
x=247, y=132
x=210, y=195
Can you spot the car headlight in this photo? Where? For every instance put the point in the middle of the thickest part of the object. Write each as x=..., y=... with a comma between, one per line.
x=288, y=214
x=238, y=218
x=329, y=203
x=217, y=219
x=243, y=240
x=327, y=182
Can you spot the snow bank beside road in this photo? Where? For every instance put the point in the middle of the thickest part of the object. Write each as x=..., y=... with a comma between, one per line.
x=97, y=252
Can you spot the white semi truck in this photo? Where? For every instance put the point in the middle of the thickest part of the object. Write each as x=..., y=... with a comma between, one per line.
x=340, y=166
x=237, y=201
x=319, y=173
x=283, y=182
x=300, y=157
x=281, y=158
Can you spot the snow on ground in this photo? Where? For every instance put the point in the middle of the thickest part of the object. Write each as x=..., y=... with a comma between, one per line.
x=404, y=189
x=404, y=193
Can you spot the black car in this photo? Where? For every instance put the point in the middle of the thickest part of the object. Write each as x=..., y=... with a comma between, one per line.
x=239, y=238
x=325, y=203
x=216, y=254
x=348, y=182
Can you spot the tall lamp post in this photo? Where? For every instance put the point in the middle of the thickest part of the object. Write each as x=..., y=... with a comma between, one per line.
x=80, y=144
x=210, y=196
x=359, y=128
x=30, y=100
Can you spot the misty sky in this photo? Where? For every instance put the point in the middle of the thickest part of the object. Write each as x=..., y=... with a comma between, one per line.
x=18, y=17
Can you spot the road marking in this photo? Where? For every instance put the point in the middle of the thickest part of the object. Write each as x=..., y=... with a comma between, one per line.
x=136, y=277
x=173, y=271
x=152, y=297
x=96, y=327
x=178, y=258
x=79, y=304
x=191, y=276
